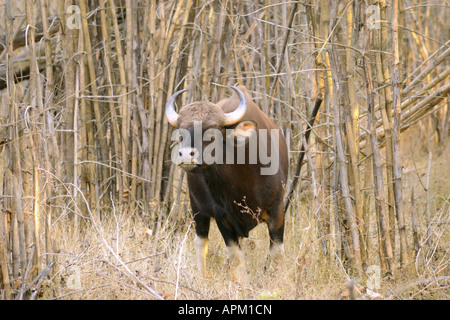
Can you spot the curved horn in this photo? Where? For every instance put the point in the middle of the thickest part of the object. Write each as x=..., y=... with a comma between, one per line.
x=171, y=114
x=235, y=116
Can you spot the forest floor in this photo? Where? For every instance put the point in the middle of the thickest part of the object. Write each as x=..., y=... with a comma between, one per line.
x=165, y=260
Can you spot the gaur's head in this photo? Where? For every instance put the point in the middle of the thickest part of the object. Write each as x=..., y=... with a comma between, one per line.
x=204, y=130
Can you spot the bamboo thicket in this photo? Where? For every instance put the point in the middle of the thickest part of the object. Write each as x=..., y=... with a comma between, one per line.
x=82, y=126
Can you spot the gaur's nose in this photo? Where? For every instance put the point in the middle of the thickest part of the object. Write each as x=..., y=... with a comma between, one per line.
x=188, y=157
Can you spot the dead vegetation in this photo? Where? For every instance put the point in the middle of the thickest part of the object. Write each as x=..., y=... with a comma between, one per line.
x=91, y=206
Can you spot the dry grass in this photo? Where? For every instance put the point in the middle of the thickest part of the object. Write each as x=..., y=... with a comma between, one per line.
x=167, y=263
x=165, y=259
x=87, y=270
x=97, y=121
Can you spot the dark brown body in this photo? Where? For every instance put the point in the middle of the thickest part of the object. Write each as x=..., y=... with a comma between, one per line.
x=217, y=190
x=237, y=196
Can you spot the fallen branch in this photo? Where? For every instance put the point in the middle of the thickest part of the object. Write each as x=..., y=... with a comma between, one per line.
x=41, y=278
x=427, y=70
x=20, y=38
x=411, y=115
x=21, y=67
x=426, y=282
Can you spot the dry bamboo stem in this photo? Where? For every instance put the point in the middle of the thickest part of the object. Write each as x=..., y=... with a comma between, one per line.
x=130, y=63
x=414, y=228
x=316, y=207
x=379, y=38
x=386, y=249
x=422, y=92
x=123, y=101
x=152, y=44
x=351, y=120
x=48, y=98
x=35, y=97
x=397, y=166
x=427, y=208
x=68, y=38
x=76, y=150
x=164, y=126
x=19, y=252
x=4, y=260
x=281, y=62
x=425, y=104
x=165, y=37
x=93, y=84
x=427, y=70
x=87, y=131
x=343, y=177
x=299, y=164
x=426, y=61
x=110, y=90
x=340, y=151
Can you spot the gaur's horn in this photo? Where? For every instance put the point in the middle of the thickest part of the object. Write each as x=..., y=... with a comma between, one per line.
x=171, y=114
x=235, y=116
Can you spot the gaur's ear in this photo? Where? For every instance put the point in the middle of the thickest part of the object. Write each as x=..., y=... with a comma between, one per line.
x=243, y=131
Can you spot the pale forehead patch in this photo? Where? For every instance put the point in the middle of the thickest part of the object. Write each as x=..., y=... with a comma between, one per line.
x=210, y=114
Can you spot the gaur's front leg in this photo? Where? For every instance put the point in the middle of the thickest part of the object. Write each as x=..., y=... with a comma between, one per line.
x=201, y=241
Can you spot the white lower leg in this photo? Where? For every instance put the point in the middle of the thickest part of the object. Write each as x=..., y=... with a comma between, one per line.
x=201, y=246
x=237, y=262
x=277, y=252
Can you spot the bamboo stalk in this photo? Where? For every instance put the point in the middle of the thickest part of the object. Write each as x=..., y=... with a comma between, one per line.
x=164, y=126
x=397, y=166
x=69, y=37
x=86, y=133
x=428, y=69
x=386, y=251
x=421, y=94
x=351, y=121
x=36, y=99
x=301, y=157
x=48, y=98
x=4, y=259
x=427, y=206
x=336, y=68
x=162, y=36
x=281, y=62
x=130, y=63
x=425, y=104
x=415, y=232
x=123, y=184
x=76, y=151
x=316, y=208
x=152, y=94
x=379, y=38
x=19, y=252
x=110, y=89
x=336, y=210
x=343, y=178
x=94, y=89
